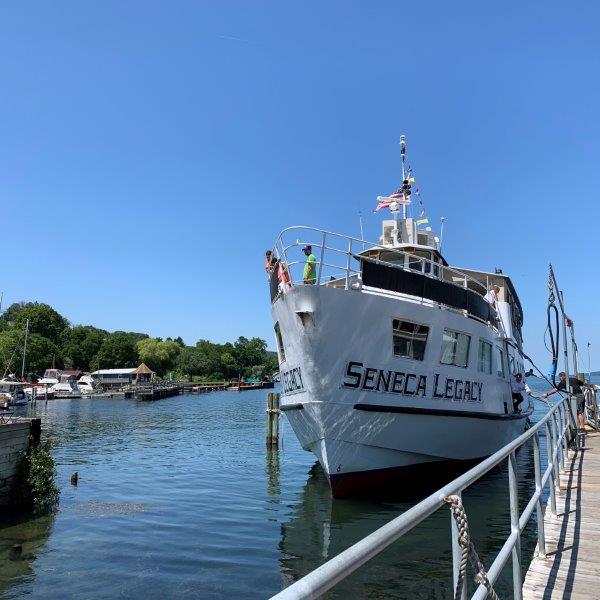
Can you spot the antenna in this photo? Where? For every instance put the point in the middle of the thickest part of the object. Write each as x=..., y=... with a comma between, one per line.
x=442, y=232
x=402, y=159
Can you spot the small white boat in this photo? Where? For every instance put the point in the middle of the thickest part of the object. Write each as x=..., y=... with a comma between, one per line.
x=86, y=385
x=12, y=393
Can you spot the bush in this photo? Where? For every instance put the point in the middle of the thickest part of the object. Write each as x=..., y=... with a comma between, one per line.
x=34, y=489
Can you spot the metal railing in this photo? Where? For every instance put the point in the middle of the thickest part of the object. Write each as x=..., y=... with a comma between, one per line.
x=337, y=262
x=555, y=423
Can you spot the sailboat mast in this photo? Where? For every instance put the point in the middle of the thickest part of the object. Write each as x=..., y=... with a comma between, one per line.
x=25, y=349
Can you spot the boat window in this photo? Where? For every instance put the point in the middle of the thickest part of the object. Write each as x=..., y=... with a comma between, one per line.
x=484, y=361
x=414, y=263
x=279, y=340
x=410, y=339
x=499, y=361
x=455, y=348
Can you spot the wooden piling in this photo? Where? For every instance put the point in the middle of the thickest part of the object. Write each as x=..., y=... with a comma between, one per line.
x=272, y=419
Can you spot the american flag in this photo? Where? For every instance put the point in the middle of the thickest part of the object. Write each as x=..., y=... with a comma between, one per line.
x=385, y=201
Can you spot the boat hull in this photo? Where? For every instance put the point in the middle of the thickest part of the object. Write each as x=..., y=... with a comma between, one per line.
x=369, y=416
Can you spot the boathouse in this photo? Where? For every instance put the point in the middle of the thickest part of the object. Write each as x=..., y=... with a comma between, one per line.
x=111, y=378
x=115, y=378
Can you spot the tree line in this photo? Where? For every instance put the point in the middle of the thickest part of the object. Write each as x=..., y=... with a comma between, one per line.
x=53, y=341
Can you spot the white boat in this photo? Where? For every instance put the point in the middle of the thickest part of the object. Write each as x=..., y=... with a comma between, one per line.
x=12, y=393
x=392, y=361
x=45, y=386
x=86, y=385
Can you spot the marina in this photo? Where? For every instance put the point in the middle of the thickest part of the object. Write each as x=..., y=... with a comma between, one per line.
x=144, y=524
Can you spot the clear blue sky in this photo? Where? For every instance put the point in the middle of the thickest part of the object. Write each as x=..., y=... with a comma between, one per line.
x=151, y=151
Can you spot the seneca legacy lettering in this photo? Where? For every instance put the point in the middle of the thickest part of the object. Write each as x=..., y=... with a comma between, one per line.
x=359, y=377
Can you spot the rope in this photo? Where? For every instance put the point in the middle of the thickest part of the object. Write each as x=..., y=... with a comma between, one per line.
x=468, y=552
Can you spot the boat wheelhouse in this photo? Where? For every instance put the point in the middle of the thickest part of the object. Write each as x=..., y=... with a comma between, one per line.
x=390, y=359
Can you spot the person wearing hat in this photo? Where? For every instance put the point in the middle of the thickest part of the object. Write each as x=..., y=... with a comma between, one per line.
x=310, y=267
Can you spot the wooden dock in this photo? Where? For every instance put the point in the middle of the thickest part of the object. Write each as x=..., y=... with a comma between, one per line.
x=571, y=568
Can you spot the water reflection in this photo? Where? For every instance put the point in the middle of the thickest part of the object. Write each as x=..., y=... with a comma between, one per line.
x=321, y=527
x=31, y=535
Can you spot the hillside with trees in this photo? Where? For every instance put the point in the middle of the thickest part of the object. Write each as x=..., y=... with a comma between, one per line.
x=53, y=341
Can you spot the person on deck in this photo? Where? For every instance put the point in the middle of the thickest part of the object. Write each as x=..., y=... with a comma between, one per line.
x=492, y=296
x=576, y=387
x=310, y=267
x=283, y=276
x=269, y=261
x=517, y=387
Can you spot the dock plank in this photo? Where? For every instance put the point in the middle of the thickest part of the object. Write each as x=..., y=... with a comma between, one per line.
x=571, y=568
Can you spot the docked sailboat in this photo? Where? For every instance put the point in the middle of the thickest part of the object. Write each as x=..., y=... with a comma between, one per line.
x=390, y=359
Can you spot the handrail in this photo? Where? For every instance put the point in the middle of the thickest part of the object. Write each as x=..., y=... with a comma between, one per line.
x=281, y=249
x=556, y=424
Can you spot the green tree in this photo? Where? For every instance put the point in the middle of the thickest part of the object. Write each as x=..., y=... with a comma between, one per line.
x=80, y=344
x=193, y=362
x=118, y=350
x=43, y=319
x=159, y=355
x=229, y=366
x=41, y=354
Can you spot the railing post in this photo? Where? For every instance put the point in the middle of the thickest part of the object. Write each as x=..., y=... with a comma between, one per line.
x=456, y=557
x=514, y=525
x=556, y=448
x=321, y=259
x=537, y=466
x=550, y=452
x=348, y=264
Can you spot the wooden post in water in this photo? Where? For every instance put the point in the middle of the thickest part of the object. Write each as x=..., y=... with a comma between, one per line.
x=272, y=419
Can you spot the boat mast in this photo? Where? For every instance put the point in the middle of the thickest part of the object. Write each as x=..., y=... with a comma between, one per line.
x=402, y=159
x=24, y=349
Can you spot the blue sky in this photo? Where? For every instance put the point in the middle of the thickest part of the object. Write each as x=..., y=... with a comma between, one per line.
x=152, y=151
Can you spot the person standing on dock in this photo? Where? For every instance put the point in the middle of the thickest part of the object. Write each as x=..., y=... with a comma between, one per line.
x=517, y=387
x=310, y=268
x=576, y=386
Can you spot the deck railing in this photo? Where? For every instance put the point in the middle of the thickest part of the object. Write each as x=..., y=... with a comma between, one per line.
x=337, y=262
x=556, y=424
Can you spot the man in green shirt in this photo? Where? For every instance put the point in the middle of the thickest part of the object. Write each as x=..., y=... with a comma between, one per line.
x=310, y=268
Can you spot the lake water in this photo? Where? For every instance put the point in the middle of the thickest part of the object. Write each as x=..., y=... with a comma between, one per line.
x=180, y=497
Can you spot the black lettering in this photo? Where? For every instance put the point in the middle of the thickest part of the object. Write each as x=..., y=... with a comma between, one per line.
x=473, y=388
x=382, y=377
x=397, y=385
x=422, y=385
x=448, y=393
x=458, y=389
x=467, y=392
x=285, y=382
x=300, y=377
x=353, y=374
x=435, y=385
x=480, y=386
x=369, y=378
x=406, y=381
x=293, y=383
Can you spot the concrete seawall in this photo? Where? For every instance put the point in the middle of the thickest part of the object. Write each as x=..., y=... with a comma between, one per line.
x=15, y=438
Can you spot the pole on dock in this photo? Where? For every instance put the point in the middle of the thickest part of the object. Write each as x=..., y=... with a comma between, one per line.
x=273, y=419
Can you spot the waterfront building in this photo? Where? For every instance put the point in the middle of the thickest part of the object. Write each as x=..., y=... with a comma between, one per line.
x=112, y=378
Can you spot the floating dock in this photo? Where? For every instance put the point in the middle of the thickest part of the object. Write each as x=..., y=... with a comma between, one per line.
x=571, y=567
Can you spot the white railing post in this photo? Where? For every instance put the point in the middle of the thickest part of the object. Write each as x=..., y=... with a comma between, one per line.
x=557, y=447
x=322, y=258
x=537, y=466
x=456, y=557
x=514, y=525
x=348, y=264
x=550, y=452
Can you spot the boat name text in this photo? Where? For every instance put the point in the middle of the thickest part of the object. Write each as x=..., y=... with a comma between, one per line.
x=291, y=381
x=359, y=377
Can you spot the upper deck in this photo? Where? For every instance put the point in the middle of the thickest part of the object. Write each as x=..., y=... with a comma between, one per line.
x=400, y=264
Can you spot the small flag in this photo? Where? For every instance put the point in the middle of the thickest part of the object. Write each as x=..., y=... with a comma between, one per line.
x=422, y=221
